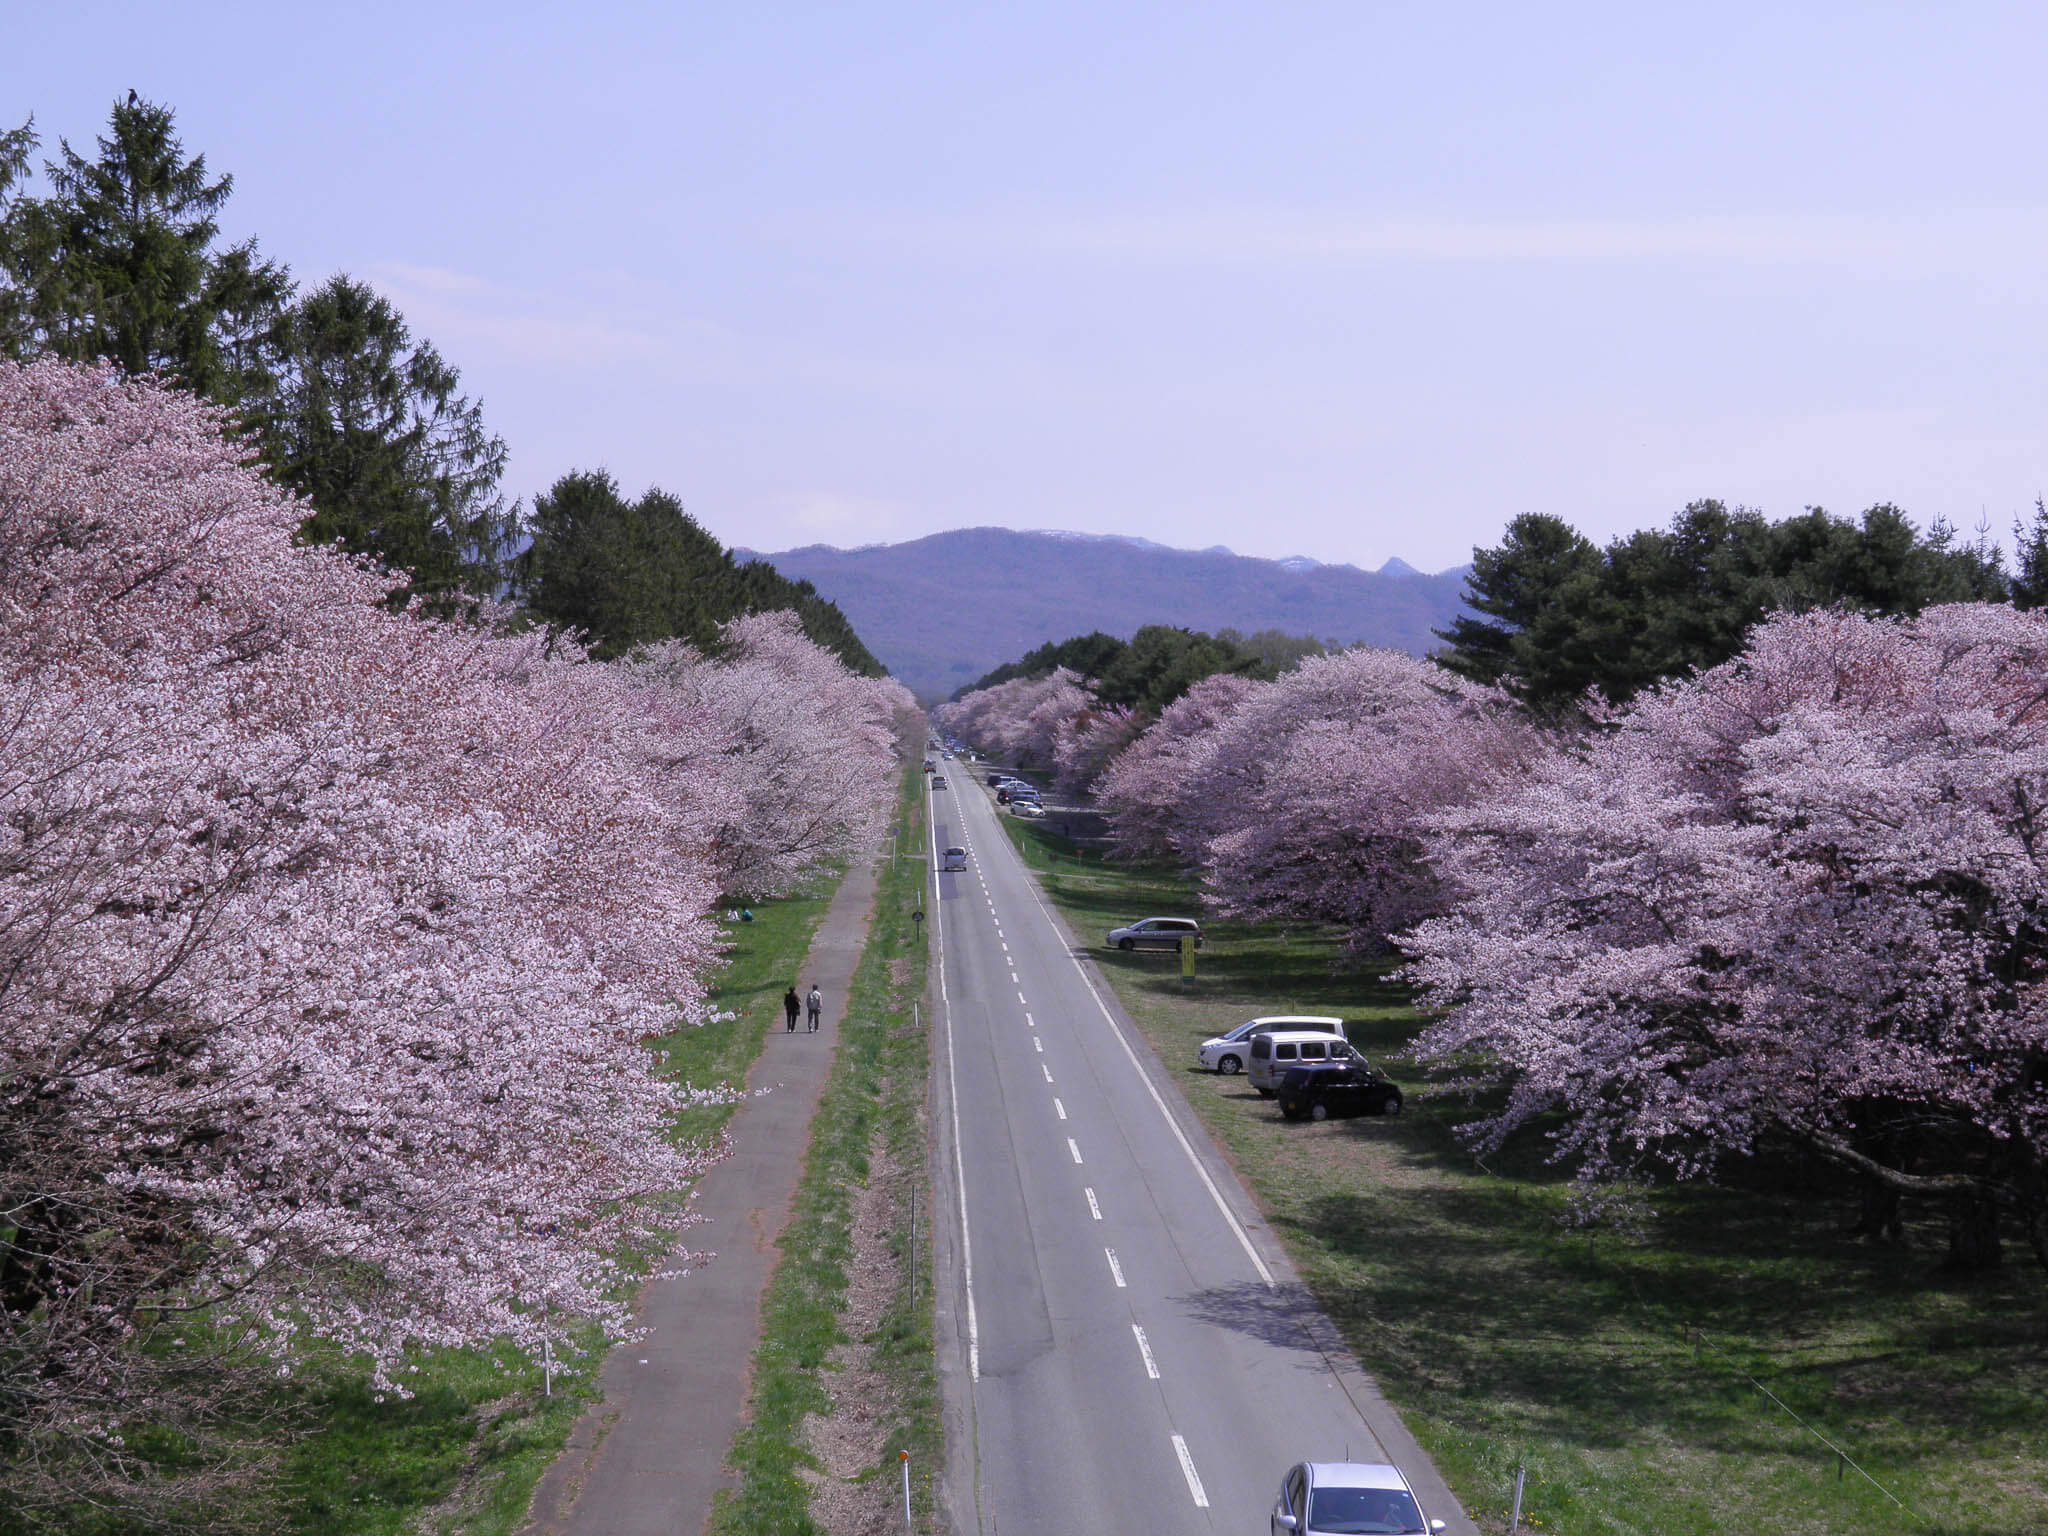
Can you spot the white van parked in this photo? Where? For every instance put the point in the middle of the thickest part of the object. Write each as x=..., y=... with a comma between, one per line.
x=1226, y=1052
x=1273, y=1054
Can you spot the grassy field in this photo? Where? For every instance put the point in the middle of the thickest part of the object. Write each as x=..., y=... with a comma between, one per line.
x=464, y=1454
x=868, y=1150
x=1623, y=1371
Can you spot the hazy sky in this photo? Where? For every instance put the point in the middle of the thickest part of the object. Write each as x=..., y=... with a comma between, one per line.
x=1351, y=281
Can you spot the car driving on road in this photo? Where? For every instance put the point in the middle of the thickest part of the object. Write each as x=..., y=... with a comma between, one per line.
x=1156, y=933
x=1348, y=1498
x=1337, y=1088
x=956, y=858
x=1226, y=1052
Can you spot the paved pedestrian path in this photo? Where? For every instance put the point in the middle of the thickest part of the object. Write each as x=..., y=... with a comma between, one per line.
x=646, y=1460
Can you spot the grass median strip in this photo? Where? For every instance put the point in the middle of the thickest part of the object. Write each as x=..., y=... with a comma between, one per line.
x=1626, y=1371
x=850, y=1299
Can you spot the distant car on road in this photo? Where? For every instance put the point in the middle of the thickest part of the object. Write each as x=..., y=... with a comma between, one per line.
x=1226, y=1052
x=1156, y=933
x=1337, y=1088
x=1343, y=1498
x=956, y=858
x=938, y=781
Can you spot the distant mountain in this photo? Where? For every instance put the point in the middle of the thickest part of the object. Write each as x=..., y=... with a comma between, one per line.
x=943, y=610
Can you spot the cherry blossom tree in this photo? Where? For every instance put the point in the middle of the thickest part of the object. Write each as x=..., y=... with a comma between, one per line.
x=1796, y=901
x=1087, y=743
x=803, y=747
x=330, y=935
x=1144, y=790
x=1019, y=721
x=1312, y=802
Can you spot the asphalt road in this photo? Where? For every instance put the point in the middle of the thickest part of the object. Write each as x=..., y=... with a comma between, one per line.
x=1123, y=1345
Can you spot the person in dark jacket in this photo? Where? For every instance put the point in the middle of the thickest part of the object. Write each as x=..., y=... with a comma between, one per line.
x=791, y=1007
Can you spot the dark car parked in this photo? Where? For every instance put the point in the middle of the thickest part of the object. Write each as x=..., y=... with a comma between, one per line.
x=1318, y=1092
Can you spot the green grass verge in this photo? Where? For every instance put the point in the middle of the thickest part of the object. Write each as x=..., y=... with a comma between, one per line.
x=874, y=1097
x=1615, y=1367
x=464, y=1453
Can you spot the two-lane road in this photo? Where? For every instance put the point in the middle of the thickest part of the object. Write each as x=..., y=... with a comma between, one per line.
x=1124, y=1347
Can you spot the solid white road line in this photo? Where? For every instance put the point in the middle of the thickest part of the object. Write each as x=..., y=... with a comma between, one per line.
x=953, y=1088
x=1071, y=1147
x=1093, y=1209
x=1187, y=1468
x=1145, y=1352
x=1116, y=1270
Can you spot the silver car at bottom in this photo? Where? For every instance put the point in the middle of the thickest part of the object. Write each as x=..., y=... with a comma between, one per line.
x=1348, y=1498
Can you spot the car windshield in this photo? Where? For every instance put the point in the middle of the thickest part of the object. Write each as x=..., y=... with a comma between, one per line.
x=1359, y=1510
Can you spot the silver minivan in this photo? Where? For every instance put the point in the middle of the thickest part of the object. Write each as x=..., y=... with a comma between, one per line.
x=1273, y=1054
x=956, y=858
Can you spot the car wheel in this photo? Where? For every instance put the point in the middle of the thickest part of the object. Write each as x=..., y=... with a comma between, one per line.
x=1230, y=1066
x=1319, y=1110
x=1391, y=1104
x=1126, y=945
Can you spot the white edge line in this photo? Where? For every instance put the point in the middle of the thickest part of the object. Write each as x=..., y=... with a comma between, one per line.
x=931, y=823
x=1187, y=1469
x=1237, y=1230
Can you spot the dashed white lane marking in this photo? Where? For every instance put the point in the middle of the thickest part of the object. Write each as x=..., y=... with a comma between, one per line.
x=1187, y=1468
x=1058, y=1107
x=1013, y=981
x=1046, y=1070
x=1093, y=1209
x=1145, y=1352
x=1020, y=996
x=1071, y=1147
x=1116, y=1270
x=1039, y=1041
x=1187, y=1147
x=1029, y=1022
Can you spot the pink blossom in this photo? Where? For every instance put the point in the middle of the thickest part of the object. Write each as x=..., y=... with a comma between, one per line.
x=1797, y=898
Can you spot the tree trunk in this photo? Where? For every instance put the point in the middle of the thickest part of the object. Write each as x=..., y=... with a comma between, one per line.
x=1879, y=1220
x=1973, y=1231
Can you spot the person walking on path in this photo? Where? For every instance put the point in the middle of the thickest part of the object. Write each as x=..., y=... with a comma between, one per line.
x=816, y=1006
x=790, y=1008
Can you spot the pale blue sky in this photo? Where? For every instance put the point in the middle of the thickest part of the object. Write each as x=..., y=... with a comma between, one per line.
x=1350, y=280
